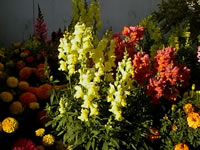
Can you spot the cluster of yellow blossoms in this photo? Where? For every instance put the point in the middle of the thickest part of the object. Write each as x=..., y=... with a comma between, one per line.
x=48, y=139
x=119, y=91
x=79, y=54
x=193, y=118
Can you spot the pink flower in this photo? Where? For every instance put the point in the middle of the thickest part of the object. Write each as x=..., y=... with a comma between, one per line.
x=198, y=53
x=24, y=144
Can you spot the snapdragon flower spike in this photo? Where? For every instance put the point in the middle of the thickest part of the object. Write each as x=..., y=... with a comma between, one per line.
x=40, y=28
x=141, y=64
x=168, y=76
x=131, y=36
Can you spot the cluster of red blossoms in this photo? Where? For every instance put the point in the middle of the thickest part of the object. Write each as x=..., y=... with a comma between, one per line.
x=167, y=76
x=131, y=35
x=141, y=64
x=164, y=77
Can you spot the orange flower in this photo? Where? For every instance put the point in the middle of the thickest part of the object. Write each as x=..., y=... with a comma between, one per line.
x=193, y=120
x=20, y=64
x=23, y=85
x=188, y=108
x=32, y=90
x=27, y=98
x=44, y=91
x=6, y=96
x=174, y=127
x=25, y=73
x=12, y=82
x=181, y=146
x=16, y=107
x=1, y=66
x=39, y=72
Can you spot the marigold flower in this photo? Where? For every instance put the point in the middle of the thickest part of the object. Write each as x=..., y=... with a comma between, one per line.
x=44, y=91
x=42, y=117
x=25, y=73
x=34, y=105
x=193, y=120
x=27, y=98
x=174, y=127
x=40, y=147
x=32, y=90
x=12, y=82
x=29, y=59
x=40, y=132
x=48, y=140
x=24, y=144
x=9, y=125
x=6, y=96
x=1, y=66
x=0, y=126
x=181, y=146
x=23, y=85
x=20, y=64
x=188, y=108
x=16, y=107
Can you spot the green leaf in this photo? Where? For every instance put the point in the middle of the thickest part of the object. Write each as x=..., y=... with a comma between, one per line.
x=105, y=146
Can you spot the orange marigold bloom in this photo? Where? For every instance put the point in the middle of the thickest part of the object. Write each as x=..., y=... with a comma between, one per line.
x=26, y=72
x=181, y=146
x=188, y=108
x=23, y=85
x=6, y=96
x=39, y=72
x=27, y=98
x=1, y=66
x=9, y=125
x=16, y=107
x=20, y=64
x=12, y=82
x=44, y=91
x=193, y=120
x=32, y=90
x=174, y=127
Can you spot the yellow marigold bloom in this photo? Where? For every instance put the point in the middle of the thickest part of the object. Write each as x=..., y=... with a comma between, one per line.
x=16, y=107
x=6, y=96
x=9, y=125
x=48, y=140
x=34, y=105
x=188, y=108
x=40, y=132
x=40, y=147
x=23, y=85
x=174, y=127
x=181, y=146
x=0, y=126
x=1, y=66
x=12, y=82
x=193, y=120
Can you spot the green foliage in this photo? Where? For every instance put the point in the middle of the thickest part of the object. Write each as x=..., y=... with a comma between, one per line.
x=174, y=127
x=100, y=132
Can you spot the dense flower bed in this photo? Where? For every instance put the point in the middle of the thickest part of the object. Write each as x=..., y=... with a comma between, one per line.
x=129, y=90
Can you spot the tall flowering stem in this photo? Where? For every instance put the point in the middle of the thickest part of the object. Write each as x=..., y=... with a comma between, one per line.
x=40, y=28
x=118, y=92
x=168, y=76
x=131, y=36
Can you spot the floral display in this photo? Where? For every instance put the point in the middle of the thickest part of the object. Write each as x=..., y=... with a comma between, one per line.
x=134, y=89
